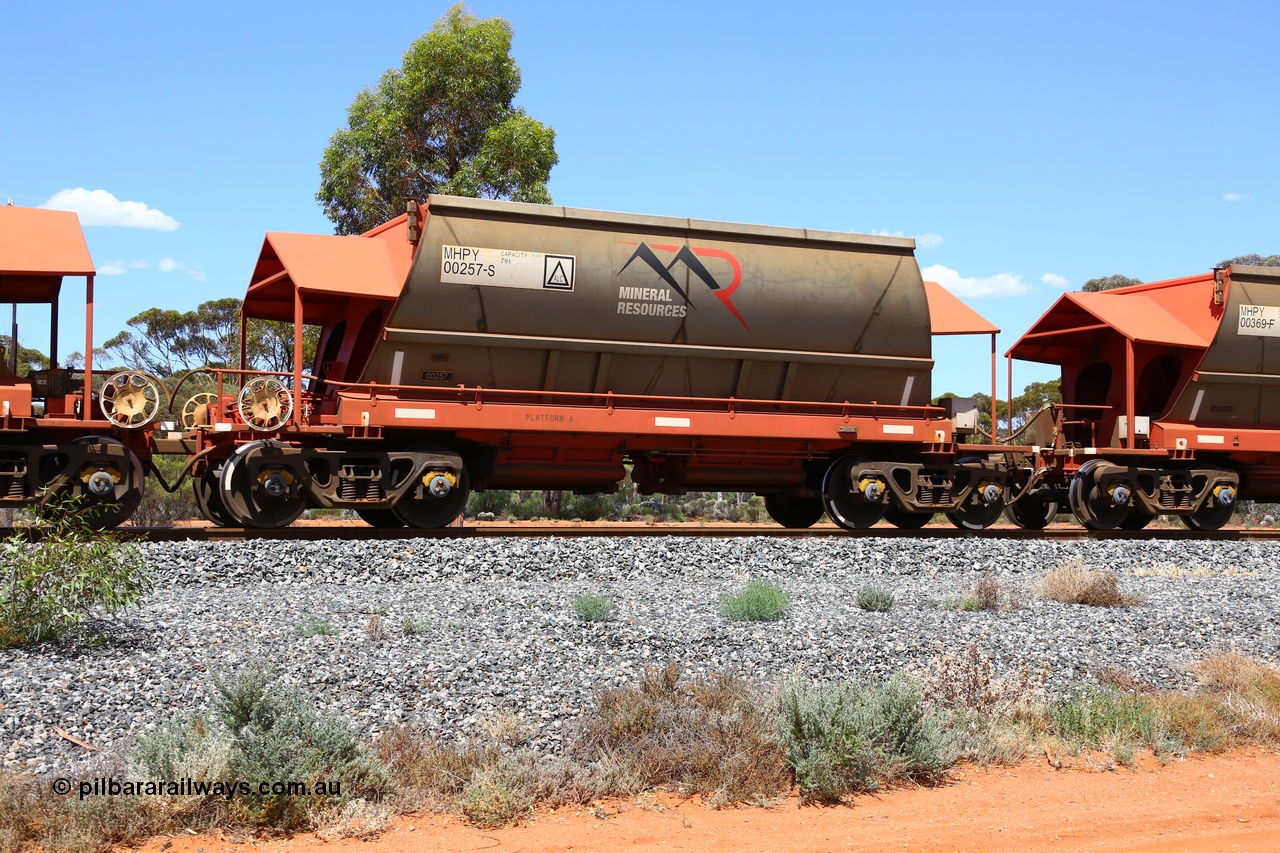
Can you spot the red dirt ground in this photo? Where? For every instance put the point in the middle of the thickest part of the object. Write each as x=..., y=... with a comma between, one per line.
x=1202, y=805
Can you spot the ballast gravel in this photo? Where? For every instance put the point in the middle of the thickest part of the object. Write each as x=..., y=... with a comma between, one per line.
x=446, y=635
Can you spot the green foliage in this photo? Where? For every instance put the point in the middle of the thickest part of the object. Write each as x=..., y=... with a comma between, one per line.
x=28, y=359
x=1254, y=260
x=1110, y=282
x=491, y=801
x=160, y=508
x=875, y=598
x=49, y=586
x=845, y=739
x=589, y=507
x=593, y=608
x=1102, y=718
x=262, y=731
x=410, y=626
x=166, y=342
x=1033, y=398
x=316, y=626
x=443, y=122
x=759, y=601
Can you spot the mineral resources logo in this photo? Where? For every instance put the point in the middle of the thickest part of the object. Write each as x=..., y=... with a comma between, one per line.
x=658, y=301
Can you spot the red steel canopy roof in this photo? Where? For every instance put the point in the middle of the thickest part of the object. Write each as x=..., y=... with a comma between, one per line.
x=326, y=269
x=1141, y=315
x=37, y=248
x=949, y=316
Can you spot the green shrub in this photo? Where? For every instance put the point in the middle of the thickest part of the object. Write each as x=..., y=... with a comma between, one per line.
x=1102, y=718
x=260, y=731
x=411, y=626
x=49, y=586
x=759, y=601
x=593, y=608
x=845, y=739
x=589, y=507
x=160, y=508
x=316, y=625
x=875, y=598
x=496, y=501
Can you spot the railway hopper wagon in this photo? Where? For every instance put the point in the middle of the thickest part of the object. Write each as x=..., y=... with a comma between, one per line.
x=474, y=344
x=1171, y=403
x=56, y=442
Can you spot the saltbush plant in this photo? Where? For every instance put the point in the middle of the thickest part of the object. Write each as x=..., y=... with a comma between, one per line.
x=262, y=730
x=314, y=626
x=49, y=586
x=875, y=598
x=845, y=739
x=593, y=608
x=759, y=601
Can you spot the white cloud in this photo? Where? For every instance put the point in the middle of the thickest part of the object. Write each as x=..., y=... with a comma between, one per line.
x=163, y=265
x=1001, y=284
x=1234, y=197
x=1055, y=280
x=99, y=207
x=170, y=265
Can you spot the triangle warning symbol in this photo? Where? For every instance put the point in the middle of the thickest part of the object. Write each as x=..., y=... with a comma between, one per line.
x=557, y=276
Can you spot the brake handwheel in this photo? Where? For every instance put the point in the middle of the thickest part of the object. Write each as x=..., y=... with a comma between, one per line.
x=265, y=404
x=199, y=410
x=130, y=400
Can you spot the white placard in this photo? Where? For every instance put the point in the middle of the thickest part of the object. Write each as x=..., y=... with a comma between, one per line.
x=1259, y=320
x=505, y=268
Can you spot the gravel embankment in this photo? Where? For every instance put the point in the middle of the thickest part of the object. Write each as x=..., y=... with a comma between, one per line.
x=500, y=634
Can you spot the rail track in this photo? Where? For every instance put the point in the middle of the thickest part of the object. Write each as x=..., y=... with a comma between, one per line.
x=312, y=532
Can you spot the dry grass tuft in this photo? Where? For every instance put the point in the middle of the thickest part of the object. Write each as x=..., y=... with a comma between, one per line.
x=967, y=682
x=1073, y=582
x=706, y=736
x=1248, y=692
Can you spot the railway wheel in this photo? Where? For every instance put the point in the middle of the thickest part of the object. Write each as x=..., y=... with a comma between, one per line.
x=1032, y=514
x=435, y=501
x=1215, y=511
x=1095, y=507
x=110, y=489
x=1136, y=520
x=983, y=506
x=380, y=517
x=907, y=520
x=207, y=489
x=272, y=497
x=792, y=511
x=853, y=506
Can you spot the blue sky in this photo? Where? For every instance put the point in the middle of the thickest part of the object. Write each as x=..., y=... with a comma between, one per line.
x=1028, y=146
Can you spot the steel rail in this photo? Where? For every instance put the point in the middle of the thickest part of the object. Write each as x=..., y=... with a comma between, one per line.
x=724, y=531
